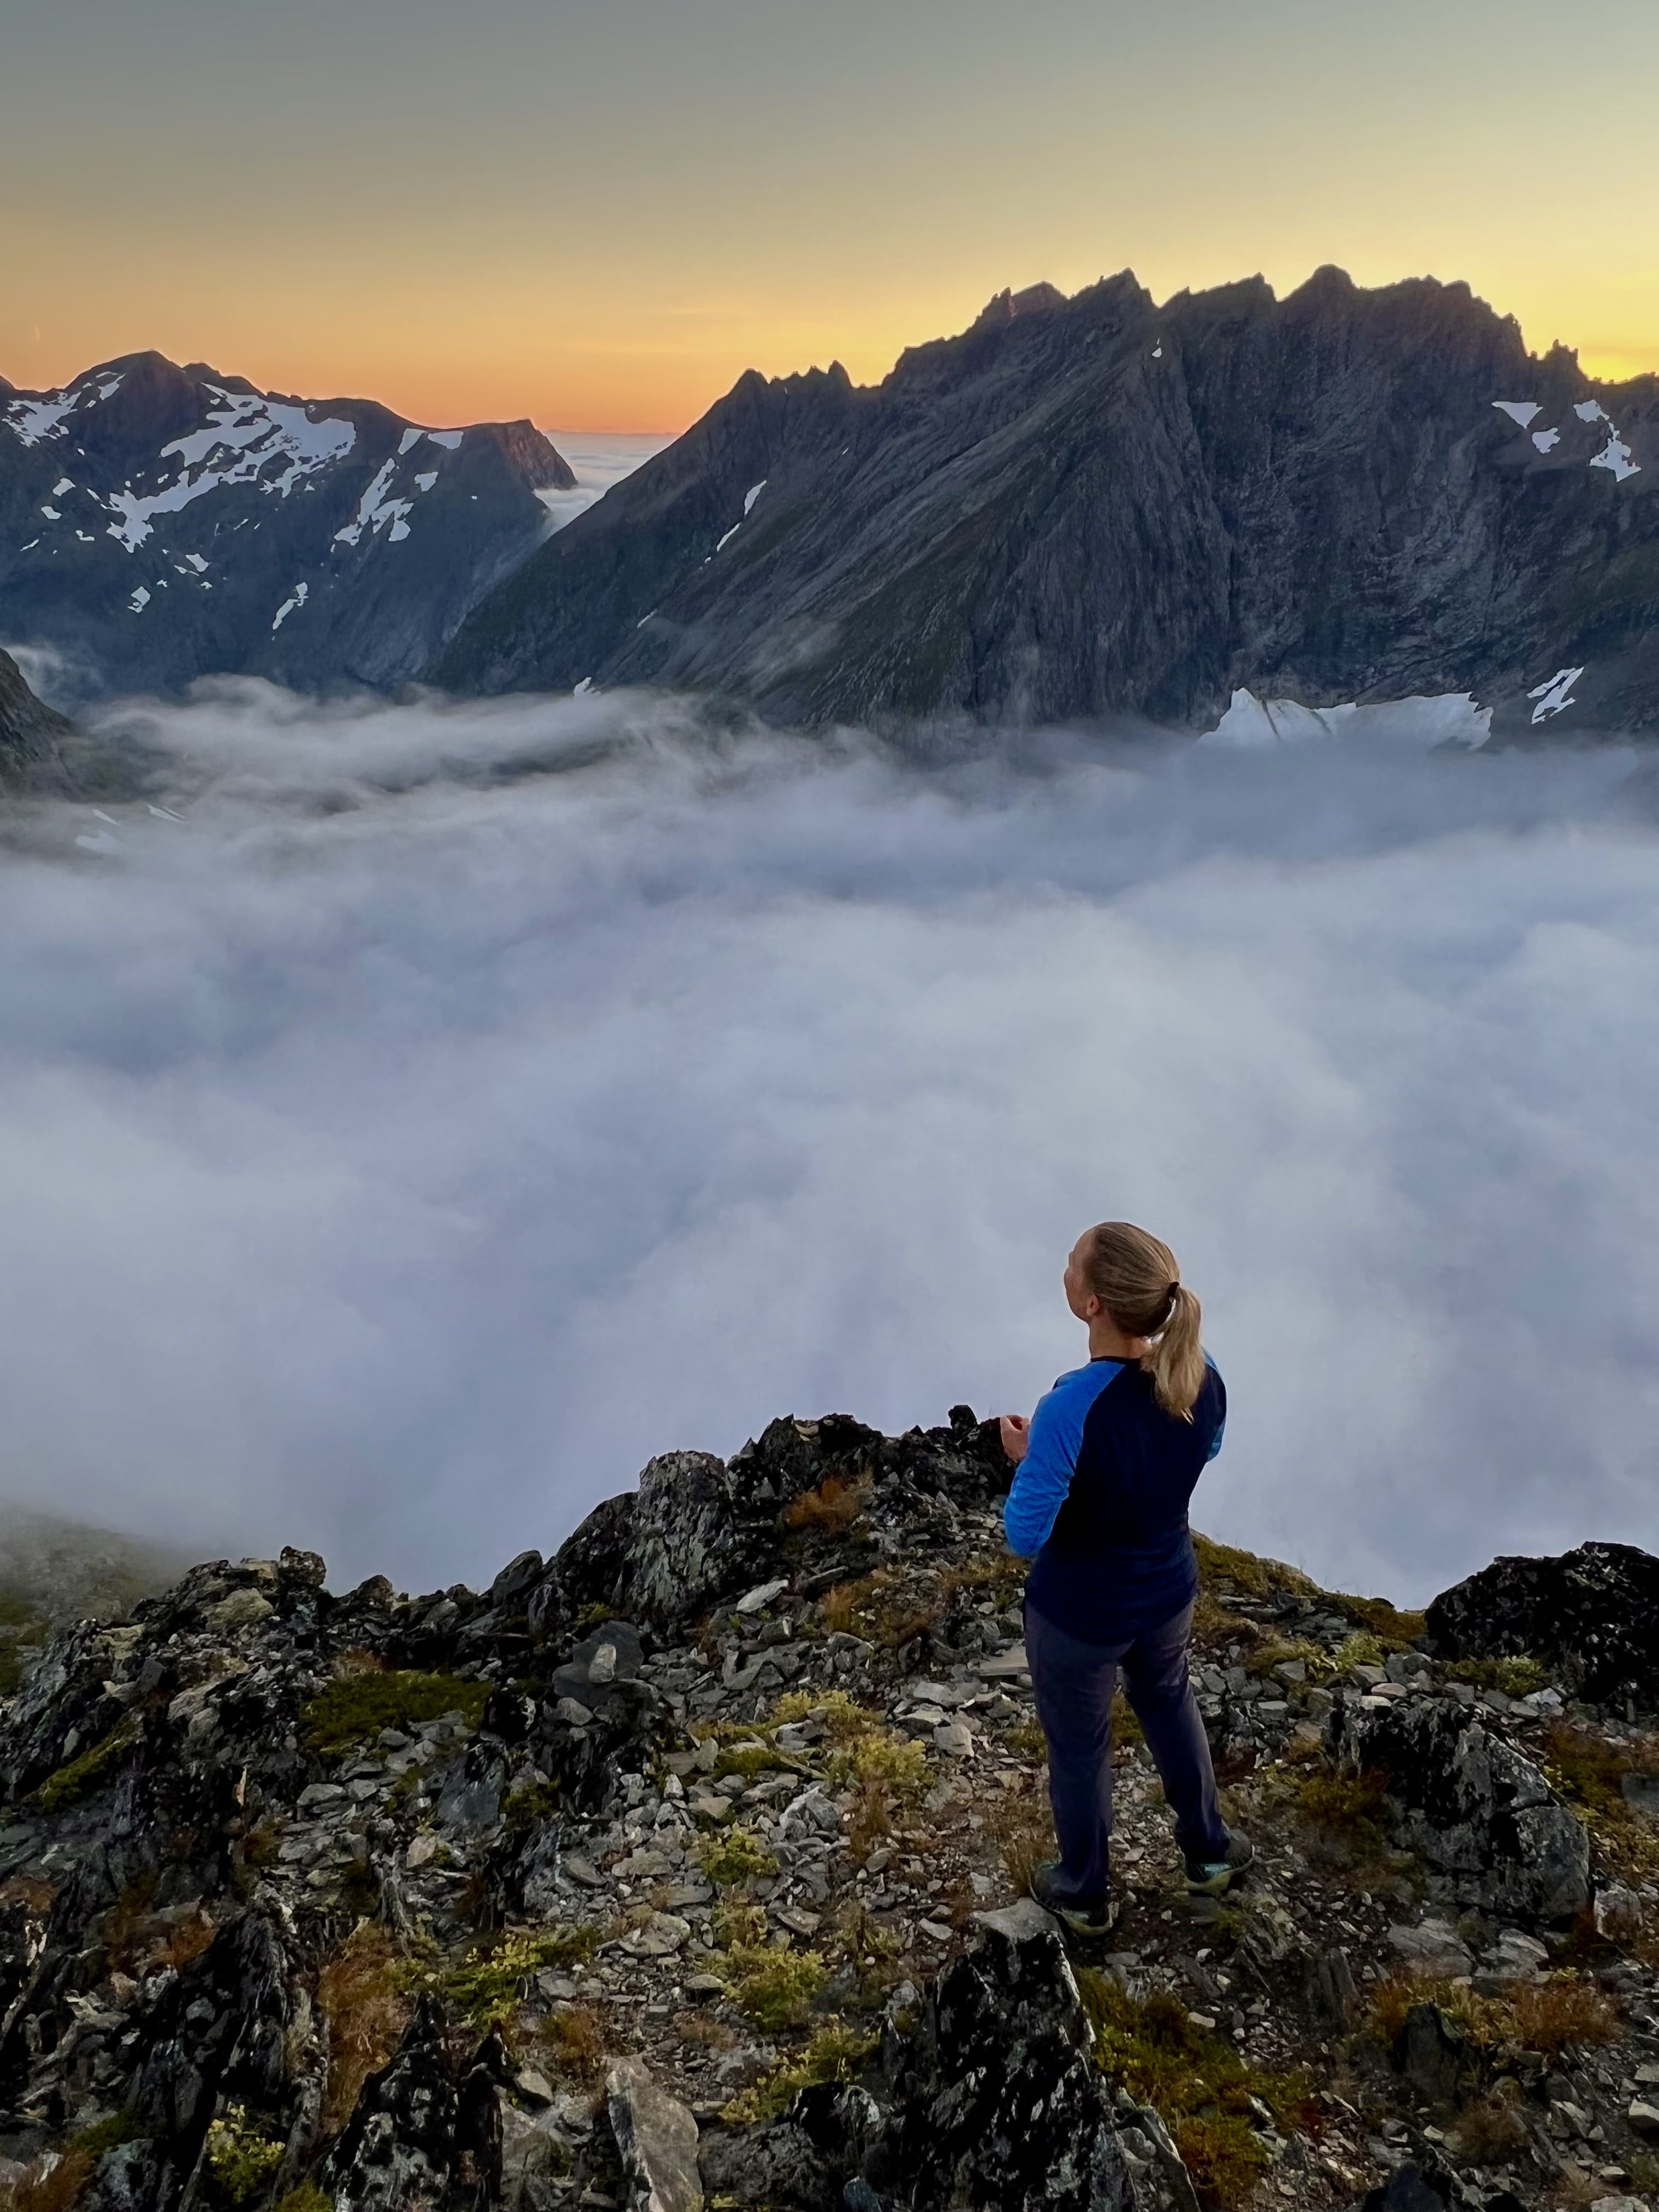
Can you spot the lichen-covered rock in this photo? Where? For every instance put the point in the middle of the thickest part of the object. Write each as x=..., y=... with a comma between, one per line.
x=403, y=2151
x=1591, y=1614
x=686, y=1547
x=999, y=2106
x=1477, y=1808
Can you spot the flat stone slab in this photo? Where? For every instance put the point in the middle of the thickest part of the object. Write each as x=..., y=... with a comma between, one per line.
x=1018, y=1922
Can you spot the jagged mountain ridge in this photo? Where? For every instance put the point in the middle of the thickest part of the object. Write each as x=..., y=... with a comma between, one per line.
x=677, y=1868
x=158, y=523
x=1102, y=507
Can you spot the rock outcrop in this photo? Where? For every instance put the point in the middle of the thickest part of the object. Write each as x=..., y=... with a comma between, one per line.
x=1477, y=1809
x=1104, y=507
x=684, y=1867
x=1592, y=1615
x=158, y=523
x=32, y=737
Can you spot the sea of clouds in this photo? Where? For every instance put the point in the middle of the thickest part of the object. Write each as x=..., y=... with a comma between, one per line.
x=434, y=1111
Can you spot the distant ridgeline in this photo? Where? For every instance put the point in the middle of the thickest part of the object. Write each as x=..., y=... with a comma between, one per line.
x=1101, y=506
x=158, y=523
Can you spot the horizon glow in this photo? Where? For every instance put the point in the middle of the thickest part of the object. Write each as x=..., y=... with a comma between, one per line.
x=601, y=217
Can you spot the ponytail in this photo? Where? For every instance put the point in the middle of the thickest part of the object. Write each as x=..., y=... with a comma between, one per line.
x=1175, y=1360
x=1135, y=1276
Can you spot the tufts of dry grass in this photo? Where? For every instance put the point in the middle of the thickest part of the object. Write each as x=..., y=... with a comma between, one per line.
x=1589, y=1771
x=1548, y=2016
x=1489, y=2132
x=870, y=1819
x=1025, y=1836
x=362, y=1994
x=572, y=2040
x=834, y=1506
x=51, y=2183
x=1554, y=2016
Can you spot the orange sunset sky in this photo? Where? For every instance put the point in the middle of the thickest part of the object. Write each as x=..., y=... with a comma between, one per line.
x=599, y=215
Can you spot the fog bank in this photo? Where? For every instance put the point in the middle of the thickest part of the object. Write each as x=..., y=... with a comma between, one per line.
x=453, y=1107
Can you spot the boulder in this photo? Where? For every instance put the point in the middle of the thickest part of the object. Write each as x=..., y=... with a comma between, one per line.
x=1477, y=1809
x=998, y=2103
x=416, y=2140
x=657, y=2141
x=686, y=1548
x=1591, y=1615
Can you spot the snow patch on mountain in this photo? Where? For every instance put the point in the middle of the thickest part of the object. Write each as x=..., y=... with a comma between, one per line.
x=375, y=510
x=244, y=434
x=297, y=597
x=1253, y=725
x=1553, y=695
x=34, y=420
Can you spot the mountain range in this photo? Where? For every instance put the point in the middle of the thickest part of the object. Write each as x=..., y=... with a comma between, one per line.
x=1098, y=506
x=158, y=523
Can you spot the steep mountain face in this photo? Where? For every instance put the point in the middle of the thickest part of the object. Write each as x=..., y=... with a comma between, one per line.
x=31, y=734
x=684, y=1867
x=158, y=523
x=1100, y=506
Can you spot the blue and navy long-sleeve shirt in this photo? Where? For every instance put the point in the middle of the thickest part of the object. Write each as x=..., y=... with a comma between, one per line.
x=1099, y=1501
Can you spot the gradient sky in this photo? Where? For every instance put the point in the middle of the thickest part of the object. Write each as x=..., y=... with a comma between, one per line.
x=599, y=212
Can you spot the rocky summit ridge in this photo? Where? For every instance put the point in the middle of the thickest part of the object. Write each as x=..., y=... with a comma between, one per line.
x=1104, y=507
x=687, y=1867
x=160, y=523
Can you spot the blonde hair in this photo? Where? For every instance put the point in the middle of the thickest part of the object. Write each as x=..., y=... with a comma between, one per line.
x=1137, y=1279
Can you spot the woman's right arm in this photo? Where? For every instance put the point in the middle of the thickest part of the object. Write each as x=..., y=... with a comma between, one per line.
x=1044, y=1475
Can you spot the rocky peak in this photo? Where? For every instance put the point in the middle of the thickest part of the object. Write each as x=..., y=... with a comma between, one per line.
x=1102, y=507
x=161, y=523
x=1004, y=305
x=685, y=1865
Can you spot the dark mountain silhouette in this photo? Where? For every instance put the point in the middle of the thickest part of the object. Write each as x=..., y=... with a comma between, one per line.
x=1102, y=507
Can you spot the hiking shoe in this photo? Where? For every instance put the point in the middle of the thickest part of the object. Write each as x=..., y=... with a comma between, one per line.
x=1215, y=1877
x=1095, y=1916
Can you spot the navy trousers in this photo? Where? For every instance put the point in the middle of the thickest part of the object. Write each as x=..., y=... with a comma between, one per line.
x=1074, y=1683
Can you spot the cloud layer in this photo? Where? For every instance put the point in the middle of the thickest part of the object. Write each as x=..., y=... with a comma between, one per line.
x=456, y=1107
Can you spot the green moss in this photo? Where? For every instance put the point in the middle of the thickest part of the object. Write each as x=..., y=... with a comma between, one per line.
x=1199, y=2085
x=106, y=2135
x=1516, y=1678
x=1274, y=1650
x=1251, y=1576
x=750, y=1759
x=355, y=1707
x=898, y=1763
x=487, y=1988
x=733, y=1856
x=842, y=1717
x=242, y=2159
x=527, y=1808
x=1394, y=1630
x=307, y=2197
x=836, y=2053
x=773, y=1986
x=88, y=1771
x=1347, y=1806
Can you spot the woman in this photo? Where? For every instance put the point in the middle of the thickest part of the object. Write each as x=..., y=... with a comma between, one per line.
x=1106, y=1466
